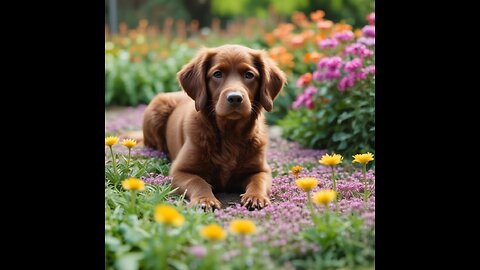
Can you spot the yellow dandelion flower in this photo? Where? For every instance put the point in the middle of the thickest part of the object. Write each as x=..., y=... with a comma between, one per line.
x=332, y=160
x=324, y=196
x=133, y=184
x=168, y=215
x=242, y=226
x=307, y=183
x=213, y=232
x=111, y=140
x=129, y=143
x=296, y=170
x=363, y=158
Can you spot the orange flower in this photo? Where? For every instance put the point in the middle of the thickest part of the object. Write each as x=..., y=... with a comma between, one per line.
x=317, y=15
x=297, y=41
x=340, y=27
x=324, y=25
x=282, y=57
x=304, y=79
x=300, y=19
x=283, y=30
x=269, y=39
x=358, y=32
x=312, y=57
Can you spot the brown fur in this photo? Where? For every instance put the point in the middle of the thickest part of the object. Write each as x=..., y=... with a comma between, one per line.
x=212, y=144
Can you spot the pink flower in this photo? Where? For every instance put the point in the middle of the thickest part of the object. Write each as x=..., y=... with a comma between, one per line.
x=346, y=35
x=371, y=18
x=368, y=31
x=370, y=69
x=328, y=43
x=353, y=65
x=346, y=82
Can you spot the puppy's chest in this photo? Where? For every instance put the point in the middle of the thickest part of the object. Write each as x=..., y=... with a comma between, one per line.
x=228, y=160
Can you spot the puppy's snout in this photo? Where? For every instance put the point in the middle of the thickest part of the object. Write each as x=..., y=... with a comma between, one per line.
x=234, y=99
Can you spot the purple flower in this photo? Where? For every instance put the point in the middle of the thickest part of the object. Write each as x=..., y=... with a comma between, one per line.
x=198, y=251
x=368, y=31
x=346, y=35
x=317, y=75
x=328, y=43
x=305, y=98
x=332, y=74
x=361, y=75
x=353, y=65
x=334, y=63
x=346, y=82
x=358, y=49
x=370, y=69
x=367, y=41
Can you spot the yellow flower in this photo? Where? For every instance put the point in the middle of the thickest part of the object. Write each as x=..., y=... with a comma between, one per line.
x=307, y=183
x=363, y=158
x=242, y=226
x=129, y=143
x=133, y=184
x=324, y=196
x=168, y=215
x=296, y=170
x=213, y=232
x=332, y=160
x=109, y=141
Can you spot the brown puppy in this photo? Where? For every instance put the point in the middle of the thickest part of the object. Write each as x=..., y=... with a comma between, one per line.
x=215, y=133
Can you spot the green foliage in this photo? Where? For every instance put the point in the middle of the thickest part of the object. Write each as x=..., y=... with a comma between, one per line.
x=344, y=242
x=346, y=124
x=131, y=83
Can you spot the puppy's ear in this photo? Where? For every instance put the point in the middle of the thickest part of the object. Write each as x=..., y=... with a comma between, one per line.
x=272, y=79
x=192, y=78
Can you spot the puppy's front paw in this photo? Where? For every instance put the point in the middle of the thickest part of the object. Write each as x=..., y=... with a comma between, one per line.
x=207, y=203
x=254, y=201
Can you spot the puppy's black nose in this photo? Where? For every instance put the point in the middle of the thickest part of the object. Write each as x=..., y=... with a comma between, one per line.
x=234, y=99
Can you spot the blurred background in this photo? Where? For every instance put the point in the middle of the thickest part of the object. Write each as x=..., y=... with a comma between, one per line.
x=148, y=41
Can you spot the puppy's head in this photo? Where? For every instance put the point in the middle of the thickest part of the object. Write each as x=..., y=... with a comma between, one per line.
x=232, y=80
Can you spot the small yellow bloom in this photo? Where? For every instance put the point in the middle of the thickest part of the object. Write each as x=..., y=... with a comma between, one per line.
x=296, y=170
x=324, y=196
x=242, y=226
x=213, y=232
x=363, y=158
x=133, y=184
x=109, y=141
x=307, y=183
x=129, y=143
x=168, y=215
x=332, y=160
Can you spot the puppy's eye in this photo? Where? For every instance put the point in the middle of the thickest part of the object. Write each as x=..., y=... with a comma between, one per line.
x=249, y=75
x=217, y=74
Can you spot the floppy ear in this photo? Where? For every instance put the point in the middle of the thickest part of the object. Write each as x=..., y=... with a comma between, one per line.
x=192, y=78
x=272, y=79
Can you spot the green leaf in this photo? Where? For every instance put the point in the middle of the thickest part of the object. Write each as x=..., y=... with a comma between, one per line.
x=340, y=136
x=129, y=261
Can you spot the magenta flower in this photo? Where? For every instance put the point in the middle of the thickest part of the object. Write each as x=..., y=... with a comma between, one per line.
x=346, y=82
x=353, y=65
x=371, y=18
x=367, y=41
x=346, y=35
x=370, y=69
x=328, y=43
x=368, y=31
x=358, y=49
x=305, y=98
x=361, y=75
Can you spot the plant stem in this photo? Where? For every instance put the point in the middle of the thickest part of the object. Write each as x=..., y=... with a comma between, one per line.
x=128, y=162
x=133, y=199
x=113, y=162
x=335, y=189
x=314, y=217
x=365, y=198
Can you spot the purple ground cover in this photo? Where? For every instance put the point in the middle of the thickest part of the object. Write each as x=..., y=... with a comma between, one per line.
x=279, y=223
